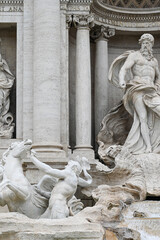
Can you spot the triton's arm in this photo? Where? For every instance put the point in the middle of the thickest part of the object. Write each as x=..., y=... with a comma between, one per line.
x=47, y=169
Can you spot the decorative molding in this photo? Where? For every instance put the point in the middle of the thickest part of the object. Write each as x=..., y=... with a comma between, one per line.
x=63, y=4
x=64, y=1
x=81, y=1
x=11, y=5
x=69, y=20
x=122, y=18
x=133, y=3
x=83, y=21
x=102, y=32
x=11, y=2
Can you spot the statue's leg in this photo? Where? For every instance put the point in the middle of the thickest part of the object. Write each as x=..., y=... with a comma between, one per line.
x=142, y=114
x=21, y=192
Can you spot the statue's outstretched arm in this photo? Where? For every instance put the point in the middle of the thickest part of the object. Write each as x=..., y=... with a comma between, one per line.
x=47, y=169
x=85, y=183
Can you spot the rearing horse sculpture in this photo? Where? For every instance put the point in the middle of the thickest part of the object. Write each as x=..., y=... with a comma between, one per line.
x=15, y=190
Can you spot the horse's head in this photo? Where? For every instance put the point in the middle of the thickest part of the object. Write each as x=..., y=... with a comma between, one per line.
x=20, y=149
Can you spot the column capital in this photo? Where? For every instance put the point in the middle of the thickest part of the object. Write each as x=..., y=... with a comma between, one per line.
x=68, y=20
x=83, y=21
x=102, y=33
x=63, y=4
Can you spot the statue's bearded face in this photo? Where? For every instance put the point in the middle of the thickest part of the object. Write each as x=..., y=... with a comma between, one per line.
x=146, y=47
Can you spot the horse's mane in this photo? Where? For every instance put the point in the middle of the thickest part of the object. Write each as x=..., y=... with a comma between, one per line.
x=6, y=153
x=4, y=156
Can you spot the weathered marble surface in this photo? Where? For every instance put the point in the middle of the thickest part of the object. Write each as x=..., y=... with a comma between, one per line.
x=143, y=217
x=14, y=226
x=121, y=186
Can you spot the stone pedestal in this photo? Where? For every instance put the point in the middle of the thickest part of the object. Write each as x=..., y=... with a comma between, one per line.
x=83, y=86
x=46, y=104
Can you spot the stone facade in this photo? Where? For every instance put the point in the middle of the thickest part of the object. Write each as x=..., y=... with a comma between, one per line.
x=56, y=129
x=60, y=53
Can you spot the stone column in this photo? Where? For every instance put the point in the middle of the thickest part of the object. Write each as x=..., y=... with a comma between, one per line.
x=101, y=35
x=28, y=69
x=64, y=70
x=83, y=86
x=46, y=108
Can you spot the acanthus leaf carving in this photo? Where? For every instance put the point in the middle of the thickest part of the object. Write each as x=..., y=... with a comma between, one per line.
x=102, y=32
x=83, y=21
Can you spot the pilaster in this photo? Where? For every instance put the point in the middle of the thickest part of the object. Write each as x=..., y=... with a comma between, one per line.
x=47, y=92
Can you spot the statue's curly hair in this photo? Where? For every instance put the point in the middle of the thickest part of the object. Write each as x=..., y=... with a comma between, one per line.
x=146, y=36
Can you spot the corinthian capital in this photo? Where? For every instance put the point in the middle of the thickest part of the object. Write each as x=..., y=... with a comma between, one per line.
x=102, y=32
x=68, y=20
x=83, y=21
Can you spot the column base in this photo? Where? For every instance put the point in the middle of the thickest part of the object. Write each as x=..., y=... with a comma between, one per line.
x=49, y=152
x=84, y=151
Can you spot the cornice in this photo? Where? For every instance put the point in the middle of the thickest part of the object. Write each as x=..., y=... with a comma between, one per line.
x=80, y=1
x=126, y=18
x=11, y=2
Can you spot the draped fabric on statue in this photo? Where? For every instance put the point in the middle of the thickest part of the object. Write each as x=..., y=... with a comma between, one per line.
x=148, y=93
x=6, y=82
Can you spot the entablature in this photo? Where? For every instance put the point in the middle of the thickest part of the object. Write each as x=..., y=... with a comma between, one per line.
x=130, y=19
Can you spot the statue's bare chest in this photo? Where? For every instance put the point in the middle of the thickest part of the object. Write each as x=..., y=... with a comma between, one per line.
x=144, y=63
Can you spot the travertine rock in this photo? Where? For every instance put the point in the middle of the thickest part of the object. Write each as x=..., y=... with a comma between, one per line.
x=124, y=184
x=146, y=221
x=14, y=226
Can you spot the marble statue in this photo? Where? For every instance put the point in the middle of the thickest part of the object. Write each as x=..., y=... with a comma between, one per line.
x=66, y=186
x=32, y=200
x=129, y=141
x=138, y=74
x=15, y=190
x=6, y=83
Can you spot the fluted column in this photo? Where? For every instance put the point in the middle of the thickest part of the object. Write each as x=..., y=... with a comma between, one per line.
x=83, y=86
x=101, y=36
x=46, y=108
